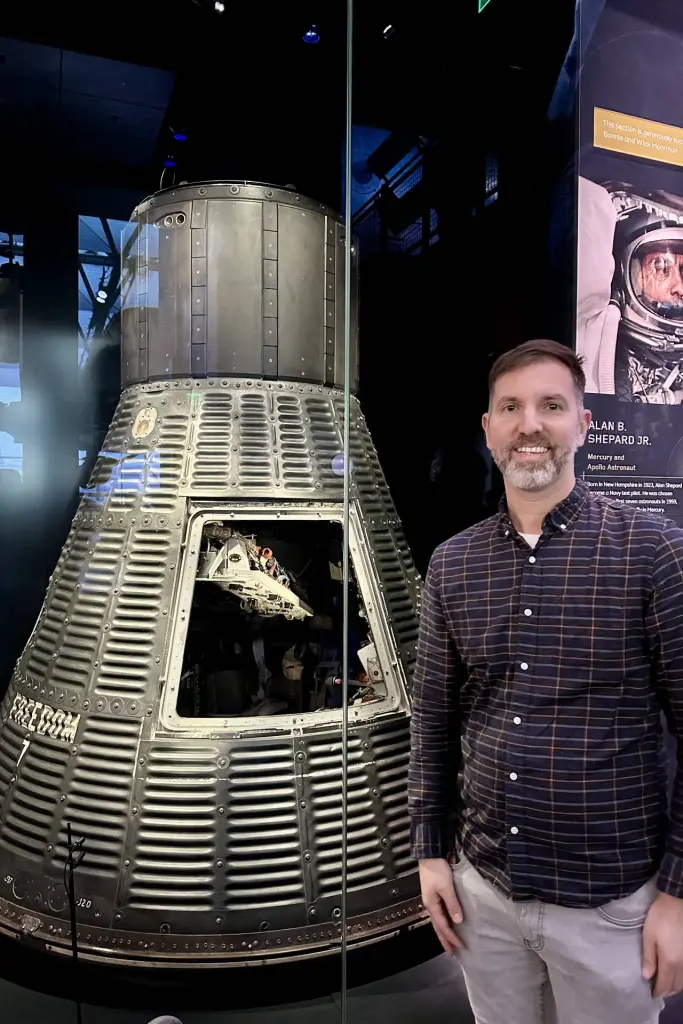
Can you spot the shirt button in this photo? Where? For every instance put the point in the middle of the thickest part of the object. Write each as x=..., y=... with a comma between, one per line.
x=514, y=830
x=507, y=533
x=532, y=559
x=517, y=720
x=513, y=776
x=524, y=666
x=527, y=611
x=563, y=526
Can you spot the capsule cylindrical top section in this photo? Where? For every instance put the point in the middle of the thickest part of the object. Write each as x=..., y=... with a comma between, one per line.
x=236, y=279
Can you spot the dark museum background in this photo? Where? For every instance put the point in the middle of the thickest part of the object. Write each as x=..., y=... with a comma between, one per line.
x=464, y=224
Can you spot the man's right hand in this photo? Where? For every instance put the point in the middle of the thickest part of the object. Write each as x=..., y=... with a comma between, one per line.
x=441, y=902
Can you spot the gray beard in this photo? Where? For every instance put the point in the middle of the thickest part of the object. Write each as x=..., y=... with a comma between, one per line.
x=535, y=477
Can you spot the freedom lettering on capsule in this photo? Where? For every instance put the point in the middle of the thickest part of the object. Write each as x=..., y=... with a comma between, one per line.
x=44, y=720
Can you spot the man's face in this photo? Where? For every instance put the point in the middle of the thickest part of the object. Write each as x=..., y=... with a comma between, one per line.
x=535, y=424
x=662, y=278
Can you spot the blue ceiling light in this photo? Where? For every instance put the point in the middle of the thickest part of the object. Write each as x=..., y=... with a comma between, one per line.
x=169, y=161
x=180, y=136
x=312, y=35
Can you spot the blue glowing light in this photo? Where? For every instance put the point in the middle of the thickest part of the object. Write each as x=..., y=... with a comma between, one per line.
x=312, y=35
x=338, y=464
x=129, y=474
x=169, y=162
x=180, y=136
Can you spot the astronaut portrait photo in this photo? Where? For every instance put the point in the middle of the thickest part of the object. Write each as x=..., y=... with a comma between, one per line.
x=630, y=292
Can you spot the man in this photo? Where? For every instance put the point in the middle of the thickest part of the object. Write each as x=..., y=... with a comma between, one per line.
x=551, y=636
x=659, y=280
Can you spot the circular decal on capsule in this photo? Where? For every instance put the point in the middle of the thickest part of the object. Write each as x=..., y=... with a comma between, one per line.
x=144, y=423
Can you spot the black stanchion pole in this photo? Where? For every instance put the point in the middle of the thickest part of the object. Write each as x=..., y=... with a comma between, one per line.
x=73, y=859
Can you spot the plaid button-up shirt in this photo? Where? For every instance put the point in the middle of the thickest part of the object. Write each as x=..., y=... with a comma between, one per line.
x=537, y=741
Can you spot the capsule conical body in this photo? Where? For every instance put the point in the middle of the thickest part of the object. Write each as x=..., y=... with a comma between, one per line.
x=178, y=700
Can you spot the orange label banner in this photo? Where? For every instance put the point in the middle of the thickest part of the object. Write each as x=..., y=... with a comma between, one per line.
x=635, y=136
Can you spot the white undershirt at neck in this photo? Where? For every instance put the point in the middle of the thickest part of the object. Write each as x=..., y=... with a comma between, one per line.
x=532, y=539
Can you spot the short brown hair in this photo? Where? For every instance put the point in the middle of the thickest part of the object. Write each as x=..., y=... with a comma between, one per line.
x=537, y=352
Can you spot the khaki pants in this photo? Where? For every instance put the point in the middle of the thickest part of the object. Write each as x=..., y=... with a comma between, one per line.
x=537, y=963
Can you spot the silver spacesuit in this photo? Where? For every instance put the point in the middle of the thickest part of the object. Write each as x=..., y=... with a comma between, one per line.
x=630, y=292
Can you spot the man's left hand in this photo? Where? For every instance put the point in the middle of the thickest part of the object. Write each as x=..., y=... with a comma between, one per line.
x=663, y=946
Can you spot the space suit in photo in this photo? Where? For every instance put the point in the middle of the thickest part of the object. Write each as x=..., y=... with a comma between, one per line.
x=630, y=292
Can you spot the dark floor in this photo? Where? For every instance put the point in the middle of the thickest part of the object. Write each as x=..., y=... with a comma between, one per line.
x=432, y=992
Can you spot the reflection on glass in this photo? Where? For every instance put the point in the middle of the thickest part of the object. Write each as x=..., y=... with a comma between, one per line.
x=123, y=476
x=10, y=393
x=388, y=174
x=491, y=179
x=99, y=282
x=11, y=248
x=11, y=327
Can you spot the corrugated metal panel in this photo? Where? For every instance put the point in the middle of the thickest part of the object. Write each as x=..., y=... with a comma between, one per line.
x=264, y=866
x=12, y=737
x=391, y=748
x=364, y=853
x=255, y=443
x=130, y=637
x=68, y=632
x=294, y=443
x=177, y=832
x=98, y=799
x=212, y=462
x=35, y=796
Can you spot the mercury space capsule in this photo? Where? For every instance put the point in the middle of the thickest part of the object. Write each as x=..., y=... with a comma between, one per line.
x=178, y=706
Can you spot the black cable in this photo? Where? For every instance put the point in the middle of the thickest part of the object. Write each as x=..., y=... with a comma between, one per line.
x=71, y=864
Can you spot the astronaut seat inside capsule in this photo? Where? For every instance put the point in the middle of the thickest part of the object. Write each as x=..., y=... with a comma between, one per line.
x=265, y=623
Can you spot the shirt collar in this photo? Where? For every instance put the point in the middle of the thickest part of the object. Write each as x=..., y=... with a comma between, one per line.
x=560, y=518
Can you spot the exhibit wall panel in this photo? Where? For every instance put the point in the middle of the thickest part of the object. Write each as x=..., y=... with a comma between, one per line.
x=629, y=310
x=629, y=260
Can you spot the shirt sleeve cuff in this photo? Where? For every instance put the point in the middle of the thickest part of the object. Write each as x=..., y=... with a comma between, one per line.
x=670, y=878
x=429, y=840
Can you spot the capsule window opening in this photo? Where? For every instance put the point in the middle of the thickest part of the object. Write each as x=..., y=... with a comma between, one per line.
x=265, y=631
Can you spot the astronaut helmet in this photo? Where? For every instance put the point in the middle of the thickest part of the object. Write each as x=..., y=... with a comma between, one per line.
x=653, y=280
x=649, y=270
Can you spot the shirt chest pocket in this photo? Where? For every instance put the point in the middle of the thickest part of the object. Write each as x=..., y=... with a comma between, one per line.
x=486, y=635
x=581, y=631
x=598, y=615
x=586, y=637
